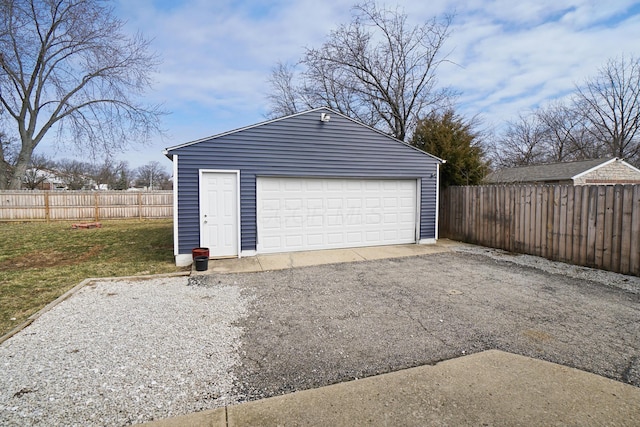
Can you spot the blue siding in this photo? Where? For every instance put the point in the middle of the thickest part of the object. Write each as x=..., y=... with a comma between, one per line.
x=297, y=146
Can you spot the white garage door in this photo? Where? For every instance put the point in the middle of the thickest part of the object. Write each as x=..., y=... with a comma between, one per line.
x=296, y=214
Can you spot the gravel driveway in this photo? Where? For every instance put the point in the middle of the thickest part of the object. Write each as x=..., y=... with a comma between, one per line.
x=118, y=353
x=316, y=326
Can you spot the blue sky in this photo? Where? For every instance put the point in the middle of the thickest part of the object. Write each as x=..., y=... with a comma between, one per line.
x=506, y=56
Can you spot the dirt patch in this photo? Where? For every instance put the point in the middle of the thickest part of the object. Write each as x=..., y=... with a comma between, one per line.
x=315, y=326
x=47, y=259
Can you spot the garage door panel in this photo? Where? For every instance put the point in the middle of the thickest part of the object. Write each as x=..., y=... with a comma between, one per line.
x=354, y=203
x=311, y=213
x=372, y=202
x=354, y=185
x=353, y=220
x=407, y=202
x=390, y=218
x=407, y=218
x=354, y=237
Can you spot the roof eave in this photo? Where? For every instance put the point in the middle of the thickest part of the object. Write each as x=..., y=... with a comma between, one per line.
x=219, y=135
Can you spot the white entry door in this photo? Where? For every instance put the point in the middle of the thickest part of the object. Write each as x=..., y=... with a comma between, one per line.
x=219, y=208
x=299, y=214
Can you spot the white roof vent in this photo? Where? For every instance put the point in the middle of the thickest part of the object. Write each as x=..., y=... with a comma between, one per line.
x=325, y=117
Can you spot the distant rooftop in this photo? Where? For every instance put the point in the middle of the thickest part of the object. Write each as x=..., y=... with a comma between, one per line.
x=544, y=173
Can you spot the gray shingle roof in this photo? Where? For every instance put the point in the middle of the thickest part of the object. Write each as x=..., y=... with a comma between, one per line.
x=542, y=173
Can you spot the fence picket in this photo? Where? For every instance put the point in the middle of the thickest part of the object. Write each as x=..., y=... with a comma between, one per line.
x=84, y=205
x=597, y=226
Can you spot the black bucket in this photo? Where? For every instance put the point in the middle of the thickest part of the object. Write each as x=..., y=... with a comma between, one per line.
x=202, y=263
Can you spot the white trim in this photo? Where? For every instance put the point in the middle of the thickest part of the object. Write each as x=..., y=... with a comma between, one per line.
x=238, y=218
x=249, y=253
x=176, y=240
x=437, y=200
x=418, y=207
x=427, y=242
x=184, y=260
x=594, y=168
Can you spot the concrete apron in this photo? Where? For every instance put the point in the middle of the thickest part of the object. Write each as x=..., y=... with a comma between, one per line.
x=283, y=261
x=487, y=388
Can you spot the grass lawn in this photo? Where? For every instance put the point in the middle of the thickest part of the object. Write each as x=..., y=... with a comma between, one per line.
x=41, y=261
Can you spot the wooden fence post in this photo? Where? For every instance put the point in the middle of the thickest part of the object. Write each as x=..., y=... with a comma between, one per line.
x=96, y=206
x=47, y=215
x=140, y=206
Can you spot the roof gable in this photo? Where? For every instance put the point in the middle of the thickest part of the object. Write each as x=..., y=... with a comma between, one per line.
x=278, y=125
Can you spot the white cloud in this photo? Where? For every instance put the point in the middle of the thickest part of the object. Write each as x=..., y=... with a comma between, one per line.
x=515, y=57
x=510, y=55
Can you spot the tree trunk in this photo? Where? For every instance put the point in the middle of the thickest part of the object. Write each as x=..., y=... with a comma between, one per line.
x=4, y=169
x=15, y=181
x=4, y=175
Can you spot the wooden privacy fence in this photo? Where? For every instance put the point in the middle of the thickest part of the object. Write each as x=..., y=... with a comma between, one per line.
x=84, y=205
x=594, y=226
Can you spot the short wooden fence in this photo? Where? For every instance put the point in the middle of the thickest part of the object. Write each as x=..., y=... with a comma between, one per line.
x=594, y=226
x=84, y=205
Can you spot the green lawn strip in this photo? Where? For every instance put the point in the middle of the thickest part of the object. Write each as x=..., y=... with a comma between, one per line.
x=41, y=261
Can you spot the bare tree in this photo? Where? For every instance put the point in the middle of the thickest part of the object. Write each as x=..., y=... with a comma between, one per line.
x=36, y=173
x=522, y=144
x=377, y=69
x=285, y=97
x=610, y=102
x=565, y=134
x=109, y=174
x=75, y=174
x=153, y=176
x=67, y=66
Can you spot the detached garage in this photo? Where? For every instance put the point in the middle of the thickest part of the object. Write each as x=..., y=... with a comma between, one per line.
x=310, y=181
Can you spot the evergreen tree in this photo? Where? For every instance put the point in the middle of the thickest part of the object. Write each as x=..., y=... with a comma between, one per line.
x=450, y=137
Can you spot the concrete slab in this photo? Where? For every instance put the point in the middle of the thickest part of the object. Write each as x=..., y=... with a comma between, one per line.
x=398, y=251
x=330, y=256
x=307, y=258
x=489, y=388
x=213, y=418
x=274, y=261
x=233, y=265
x=283, y=261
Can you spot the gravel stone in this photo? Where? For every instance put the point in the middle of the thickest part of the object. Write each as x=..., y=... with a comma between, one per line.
x=315, y=326
x=124, y=352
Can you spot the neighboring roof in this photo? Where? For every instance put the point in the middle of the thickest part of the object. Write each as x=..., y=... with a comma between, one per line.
x=329, y=110
x=550, y=172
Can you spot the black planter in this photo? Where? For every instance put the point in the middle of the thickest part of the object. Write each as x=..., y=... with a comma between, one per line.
x=202, y=263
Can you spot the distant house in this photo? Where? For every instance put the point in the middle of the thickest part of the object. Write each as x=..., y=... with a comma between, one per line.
x=586, y=172
x=49, y=179
x=43, y=179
